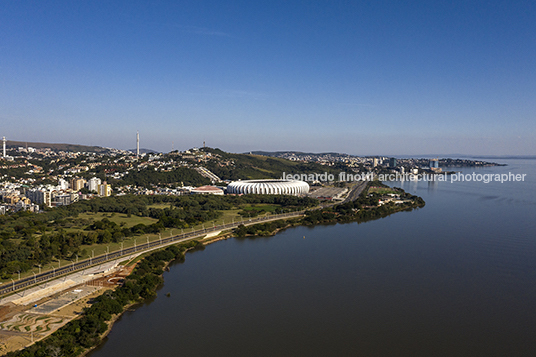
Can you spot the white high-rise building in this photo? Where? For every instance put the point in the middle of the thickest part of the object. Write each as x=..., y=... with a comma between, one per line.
x=63, y=184
x=4, y=146
x=93, y=184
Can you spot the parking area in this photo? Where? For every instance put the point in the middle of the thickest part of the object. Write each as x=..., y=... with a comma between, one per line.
x=64, y=299
x=328, y=193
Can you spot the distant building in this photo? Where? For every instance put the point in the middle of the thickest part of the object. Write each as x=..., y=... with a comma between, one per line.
x=40, y=196
x=93, y=184
x=63, y=184
x=269, y=187
x=62, y=200
x=207, y=190
x=77, y=183
x=375, y=162
x=25, y=205
x=434, y=166
x=104, y=190
x=392, y=162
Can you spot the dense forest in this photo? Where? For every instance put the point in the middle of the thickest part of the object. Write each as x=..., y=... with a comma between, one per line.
x=149, y=177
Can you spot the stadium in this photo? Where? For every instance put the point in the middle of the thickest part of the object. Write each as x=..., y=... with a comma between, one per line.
x=269, y=187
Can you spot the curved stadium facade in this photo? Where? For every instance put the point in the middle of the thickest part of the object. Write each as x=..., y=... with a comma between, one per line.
x=269, y=187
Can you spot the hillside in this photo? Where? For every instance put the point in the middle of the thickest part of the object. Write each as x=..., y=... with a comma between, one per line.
x=10, y=144
x=248, y=166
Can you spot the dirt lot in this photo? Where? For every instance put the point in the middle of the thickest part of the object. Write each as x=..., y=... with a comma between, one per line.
x=22, y=325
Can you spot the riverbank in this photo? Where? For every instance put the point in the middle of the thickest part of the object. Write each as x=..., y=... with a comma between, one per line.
x=81, y=336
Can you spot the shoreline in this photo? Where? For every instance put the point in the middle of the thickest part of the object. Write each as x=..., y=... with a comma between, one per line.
x=288, y=223
x=223, y=236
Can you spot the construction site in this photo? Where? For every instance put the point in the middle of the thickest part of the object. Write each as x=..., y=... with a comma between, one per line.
x=31, y=315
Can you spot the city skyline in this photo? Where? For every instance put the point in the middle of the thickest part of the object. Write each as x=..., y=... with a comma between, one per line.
x=363, y=79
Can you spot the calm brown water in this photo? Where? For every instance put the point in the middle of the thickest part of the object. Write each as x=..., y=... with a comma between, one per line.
x=456, y=278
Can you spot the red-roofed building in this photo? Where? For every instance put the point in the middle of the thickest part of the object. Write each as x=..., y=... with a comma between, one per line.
x=207, y=190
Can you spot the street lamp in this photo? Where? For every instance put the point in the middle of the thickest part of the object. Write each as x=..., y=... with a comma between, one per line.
x=35, y=278
x=19, y=274
x=13, y=284
x=121, y=248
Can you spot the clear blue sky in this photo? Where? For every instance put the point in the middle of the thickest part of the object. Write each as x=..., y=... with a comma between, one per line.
x=362, y=77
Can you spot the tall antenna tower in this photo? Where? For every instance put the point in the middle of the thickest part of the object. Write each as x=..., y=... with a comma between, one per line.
x=137, y=144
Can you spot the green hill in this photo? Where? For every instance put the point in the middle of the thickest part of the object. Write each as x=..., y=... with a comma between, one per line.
x=247, y=167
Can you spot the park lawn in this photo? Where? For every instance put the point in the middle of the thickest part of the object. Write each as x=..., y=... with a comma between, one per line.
x=381, y=190
x=160, y=205
x=119, y=218
x=262, y=207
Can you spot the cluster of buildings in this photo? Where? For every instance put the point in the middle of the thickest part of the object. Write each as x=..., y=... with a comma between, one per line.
x=328, y=159
x=19, y=197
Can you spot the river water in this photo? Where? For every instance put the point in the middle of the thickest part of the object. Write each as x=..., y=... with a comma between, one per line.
x=455, y=278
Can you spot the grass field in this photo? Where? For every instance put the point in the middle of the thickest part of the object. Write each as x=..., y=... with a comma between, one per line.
x=381, y=190
x=160, y=205
x=119, y=218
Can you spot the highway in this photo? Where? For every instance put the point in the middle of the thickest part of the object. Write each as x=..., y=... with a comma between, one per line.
x=356, y=191
x=16, y=285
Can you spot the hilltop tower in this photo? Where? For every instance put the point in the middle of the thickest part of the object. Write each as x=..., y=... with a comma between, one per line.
x=4, y=146
x=137, y=144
